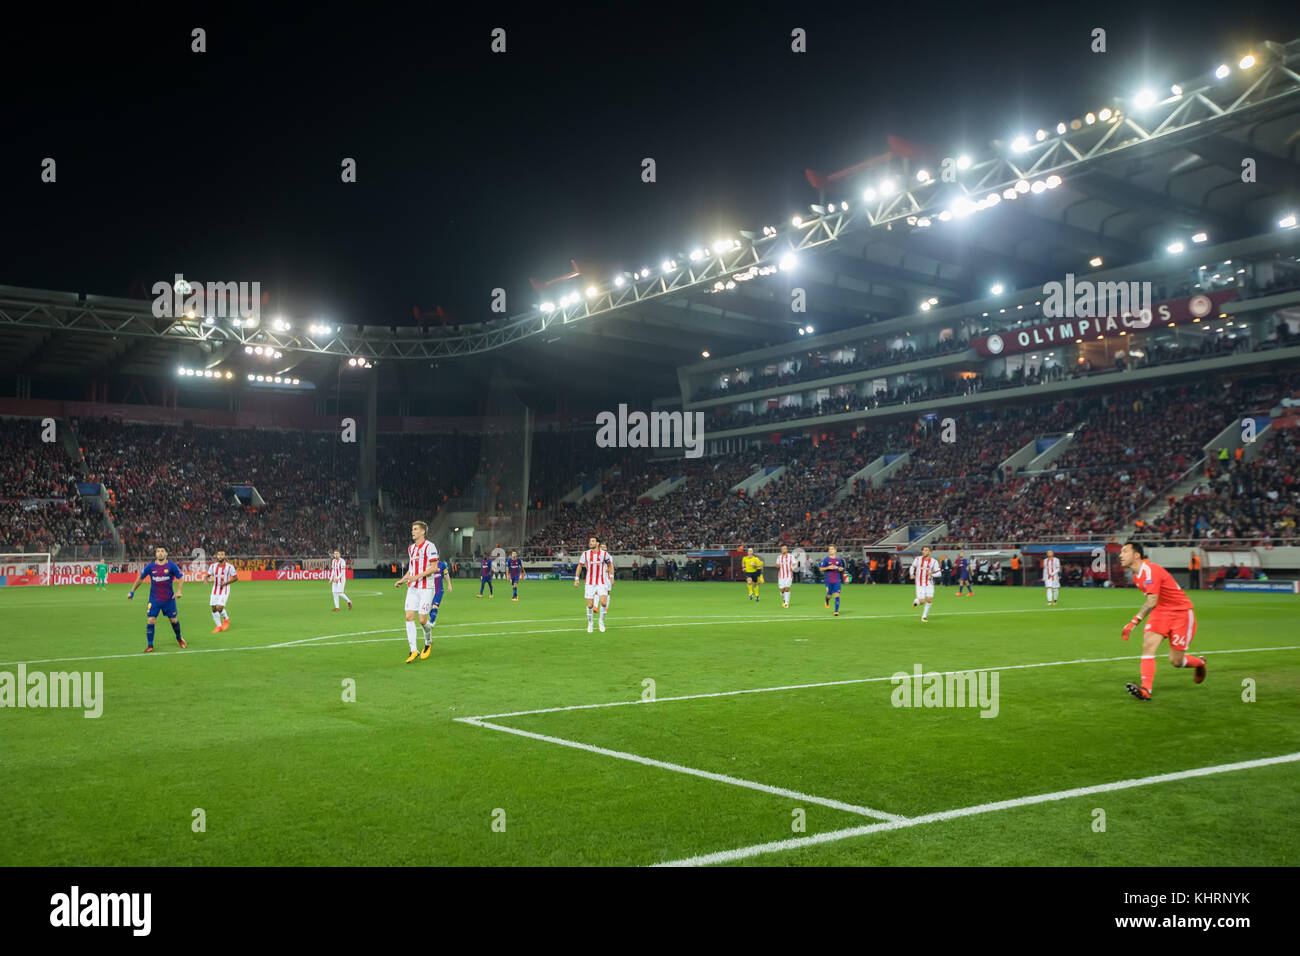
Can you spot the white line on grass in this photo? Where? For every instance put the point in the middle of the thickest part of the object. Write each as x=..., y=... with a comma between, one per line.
x=442, y=634
x=729, y=619
x=678, y=768
x=854, y=680
x=311, y=641
x=747, y=852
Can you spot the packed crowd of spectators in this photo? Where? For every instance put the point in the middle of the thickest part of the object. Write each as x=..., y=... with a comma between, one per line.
x=171, y=485
x=1129, y=447
x=40, y=508
x=1256, y=501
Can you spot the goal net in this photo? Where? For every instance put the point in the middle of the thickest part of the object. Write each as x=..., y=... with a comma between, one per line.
x=18, y=567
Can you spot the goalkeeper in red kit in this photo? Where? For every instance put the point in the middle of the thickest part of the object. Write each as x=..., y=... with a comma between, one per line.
x=1172, y=616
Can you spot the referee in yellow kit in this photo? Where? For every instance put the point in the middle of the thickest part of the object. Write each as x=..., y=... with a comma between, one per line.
x=753, y=573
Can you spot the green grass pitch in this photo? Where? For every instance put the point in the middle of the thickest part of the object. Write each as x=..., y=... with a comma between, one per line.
x=254, y=731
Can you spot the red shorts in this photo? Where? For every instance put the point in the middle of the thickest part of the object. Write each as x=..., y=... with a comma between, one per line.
x=1178, y=626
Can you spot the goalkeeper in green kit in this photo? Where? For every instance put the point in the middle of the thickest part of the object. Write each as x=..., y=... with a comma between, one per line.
x=101, y=576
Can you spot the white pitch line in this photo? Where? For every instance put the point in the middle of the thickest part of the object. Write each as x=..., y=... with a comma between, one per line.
x=729, y=619
x=438, y=635
x=856, y=680
x=779, y=846
x=310, y=641
x=691, y=771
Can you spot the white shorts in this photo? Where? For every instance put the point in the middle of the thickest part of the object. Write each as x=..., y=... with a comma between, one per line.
x=338, y=586
x=219, y=600
x=924, y=592
x=592, y=591
x=419, y=599
x=783, y=583
x=1051, y=583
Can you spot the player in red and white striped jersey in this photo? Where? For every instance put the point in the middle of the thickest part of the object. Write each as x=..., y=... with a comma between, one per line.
x=924, y=570
x=339, y=579
x=784, y=574
x=599, y=568
x=221, y=573
x=1052, y=577
x=422, y=562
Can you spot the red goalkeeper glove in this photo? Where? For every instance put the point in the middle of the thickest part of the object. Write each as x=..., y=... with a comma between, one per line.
x=1128, y=628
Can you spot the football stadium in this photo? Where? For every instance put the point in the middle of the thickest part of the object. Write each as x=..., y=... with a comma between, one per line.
x=950, y=498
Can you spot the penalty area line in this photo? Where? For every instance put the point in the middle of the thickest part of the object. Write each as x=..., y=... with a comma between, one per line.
x=690, y=771
x=854, y=680
x=795, y=843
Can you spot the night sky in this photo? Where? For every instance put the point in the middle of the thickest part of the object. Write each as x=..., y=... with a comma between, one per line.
x=479, y=170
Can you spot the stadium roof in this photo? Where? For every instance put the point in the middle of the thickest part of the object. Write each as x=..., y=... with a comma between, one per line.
x=1121, y=180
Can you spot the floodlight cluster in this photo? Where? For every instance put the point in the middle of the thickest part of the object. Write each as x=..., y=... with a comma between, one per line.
x=263, y=351
x=273, y=379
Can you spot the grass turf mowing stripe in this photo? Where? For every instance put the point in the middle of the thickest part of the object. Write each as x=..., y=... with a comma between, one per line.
x=678, y=768
x=747, y=852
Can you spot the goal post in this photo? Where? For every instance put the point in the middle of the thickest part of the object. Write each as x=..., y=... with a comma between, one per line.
x=33, y=567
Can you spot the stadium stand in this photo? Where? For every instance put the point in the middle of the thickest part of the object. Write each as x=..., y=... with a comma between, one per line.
x=171, y=484
x=40, y=509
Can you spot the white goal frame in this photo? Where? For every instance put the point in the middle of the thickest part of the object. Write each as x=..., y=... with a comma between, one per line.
x=17, y=562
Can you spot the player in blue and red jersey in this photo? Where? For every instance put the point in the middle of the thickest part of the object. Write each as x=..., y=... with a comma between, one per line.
x=963, y=575
x=833, y=572
x=485, y=576
x=441, y=585
x=515, y=567
x=161, y=573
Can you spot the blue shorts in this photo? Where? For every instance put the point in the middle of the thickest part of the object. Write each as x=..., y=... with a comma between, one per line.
x=484, y=580
x=964, y=577
x=164, y=608
x=833, y=588
x=514, y=579
x=437, y=599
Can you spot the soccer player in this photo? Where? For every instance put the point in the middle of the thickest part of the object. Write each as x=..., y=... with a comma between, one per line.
x=963, y=575
x=1052, y=577
x=422, y=562
x=599, y=567
x=833, y=574
x=339, y=579
x=1172, y=616
x=923, y=569
x=441, y=579
x=101, y=575
x=221, y=572
x=485, y=576
x=784, y=574
x=752, y=565
x=516, y=569
x=162, y=599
